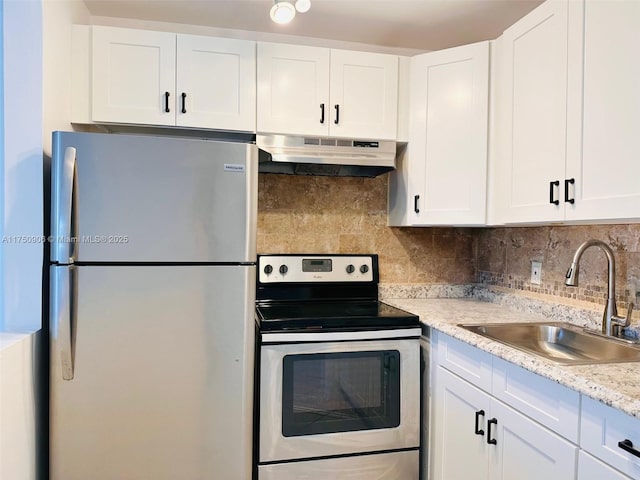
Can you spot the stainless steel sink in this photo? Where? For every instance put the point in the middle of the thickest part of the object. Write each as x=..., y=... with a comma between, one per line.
x=559, y=342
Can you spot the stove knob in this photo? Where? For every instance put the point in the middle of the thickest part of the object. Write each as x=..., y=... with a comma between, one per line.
x=364, y=268
x=350, y=268
x=284, y=269
x=268, y=269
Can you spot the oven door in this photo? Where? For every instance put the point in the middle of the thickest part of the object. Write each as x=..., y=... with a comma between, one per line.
x=337, y=398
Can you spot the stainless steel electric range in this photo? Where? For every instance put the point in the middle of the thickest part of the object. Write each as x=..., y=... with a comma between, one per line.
x=339, y=379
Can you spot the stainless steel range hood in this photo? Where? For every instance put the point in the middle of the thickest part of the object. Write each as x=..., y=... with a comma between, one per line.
x=325, y=156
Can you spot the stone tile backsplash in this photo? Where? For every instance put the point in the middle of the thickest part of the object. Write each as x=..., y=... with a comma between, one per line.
x=302, y=214
x=505, y=255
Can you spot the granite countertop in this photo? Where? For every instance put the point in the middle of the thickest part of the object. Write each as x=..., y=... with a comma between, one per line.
x=614, y=384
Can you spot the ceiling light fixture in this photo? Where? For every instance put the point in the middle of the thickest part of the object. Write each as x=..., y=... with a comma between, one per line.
x=283, y=11
x=303, y=6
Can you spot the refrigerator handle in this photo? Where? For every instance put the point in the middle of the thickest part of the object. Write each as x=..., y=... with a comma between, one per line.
x=61, y=318
x=62, y=221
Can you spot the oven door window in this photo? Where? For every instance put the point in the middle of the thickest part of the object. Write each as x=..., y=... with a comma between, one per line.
x=340, y=392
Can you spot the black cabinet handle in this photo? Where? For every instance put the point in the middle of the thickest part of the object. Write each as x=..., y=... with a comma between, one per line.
x=184, y=102
x=415, y=203
x=552, y=198
x=491, y=441
x=478, y=430
x=166, y=102
x=567, y=182
x=322, y=113
x=337, y=120
x=627, y=446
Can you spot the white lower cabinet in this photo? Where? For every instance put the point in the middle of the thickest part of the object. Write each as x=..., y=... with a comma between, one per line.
x=458, y=450
x=491, y=419
x=525, y=450
x=611, y=436
x=475, y=435
x=590, y=468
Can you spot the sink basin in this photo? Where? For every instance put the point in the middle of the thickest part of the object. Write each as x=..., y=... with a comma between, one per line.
x=559, y=342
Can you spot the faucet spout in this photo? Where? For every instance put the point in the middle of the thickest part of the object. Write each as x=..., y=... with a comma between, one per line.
x=610, y=317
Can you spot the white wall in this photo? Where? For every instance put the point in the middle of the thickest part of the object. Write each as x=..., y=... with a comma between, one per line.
x=248, y=35
x=21, y=224
x=22, y=157
x=18, y=408
x=58, y=16
x=28, y=28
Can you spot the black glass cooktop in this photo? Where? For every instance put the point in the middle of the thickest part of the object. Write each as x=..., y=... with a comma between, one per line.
x=340, y=315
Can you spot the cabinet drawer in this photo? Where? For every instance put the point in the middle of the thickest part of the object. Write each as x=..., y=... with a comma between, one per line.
x=549, y=403
x=464, y=360
x=602, y=427
x=590, y=468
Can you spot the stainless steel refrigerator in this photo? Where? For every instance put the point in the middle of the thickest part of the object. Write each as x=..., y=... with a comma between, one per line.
x=151, y=308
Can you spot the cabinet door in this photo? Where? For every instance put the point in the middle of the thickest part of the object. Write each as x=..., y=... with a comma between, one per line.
x=364, y=95
x=215, y=80
x=293, y=89
x=457, y=451
x=448, y=136
x=590, y=468
x=605, y=164
x=533, y=87
x=133, y=76
x=602, y=431
x=526, y=450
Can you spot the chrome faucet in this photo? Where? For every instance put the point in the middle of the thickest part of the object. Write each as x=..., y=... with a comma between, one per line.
x=612, y=324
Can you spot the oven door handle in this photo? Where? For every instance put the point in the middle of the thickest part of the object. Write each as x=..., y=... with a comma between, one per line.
x=270, y=338
x=389, y=362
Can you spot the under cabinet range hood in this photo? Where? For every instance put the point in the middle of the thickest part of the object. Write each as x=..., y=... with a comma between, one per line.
x=306, y=155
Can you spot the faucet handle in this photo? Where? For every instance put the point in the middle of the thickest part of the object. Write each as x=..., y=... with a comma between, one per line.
x=627, y=321
x=619, y=323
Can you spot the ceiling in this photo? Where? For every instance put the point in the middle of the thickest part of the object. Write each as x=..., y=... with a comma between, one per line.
x=415, y=24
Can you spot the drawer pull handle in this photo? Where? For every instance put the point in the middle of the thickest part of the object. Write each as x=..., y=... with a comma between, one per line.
x=552, y=197
x=478, y=430
x=567, y=182
x=415, y=203
x=491, y=441
x=166, y=102
x=627, y=446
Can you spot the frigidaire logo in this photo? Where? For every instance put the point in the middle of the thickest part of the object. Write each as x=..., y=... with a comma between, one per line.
x=233, y=167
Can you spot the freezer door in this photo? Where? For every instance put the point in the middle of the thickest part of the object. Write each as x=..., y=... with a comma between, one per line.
x=134, y=198
x=159, y=385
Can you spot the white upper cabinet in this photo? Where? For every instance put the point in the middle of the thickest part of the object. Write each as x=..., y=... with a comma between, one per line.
x=568, y=113
x=532, y=103
x=215, y=79
x=604, y=161
x=317, y=91
x=445, y=164
x=448, y=135
x=293, y=89
x=364, y=95
x=133, y=76
x=159, y=78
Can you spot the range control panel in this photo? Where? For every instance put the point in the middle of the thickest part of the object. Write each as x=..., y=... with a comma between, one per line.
x=315, y=268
